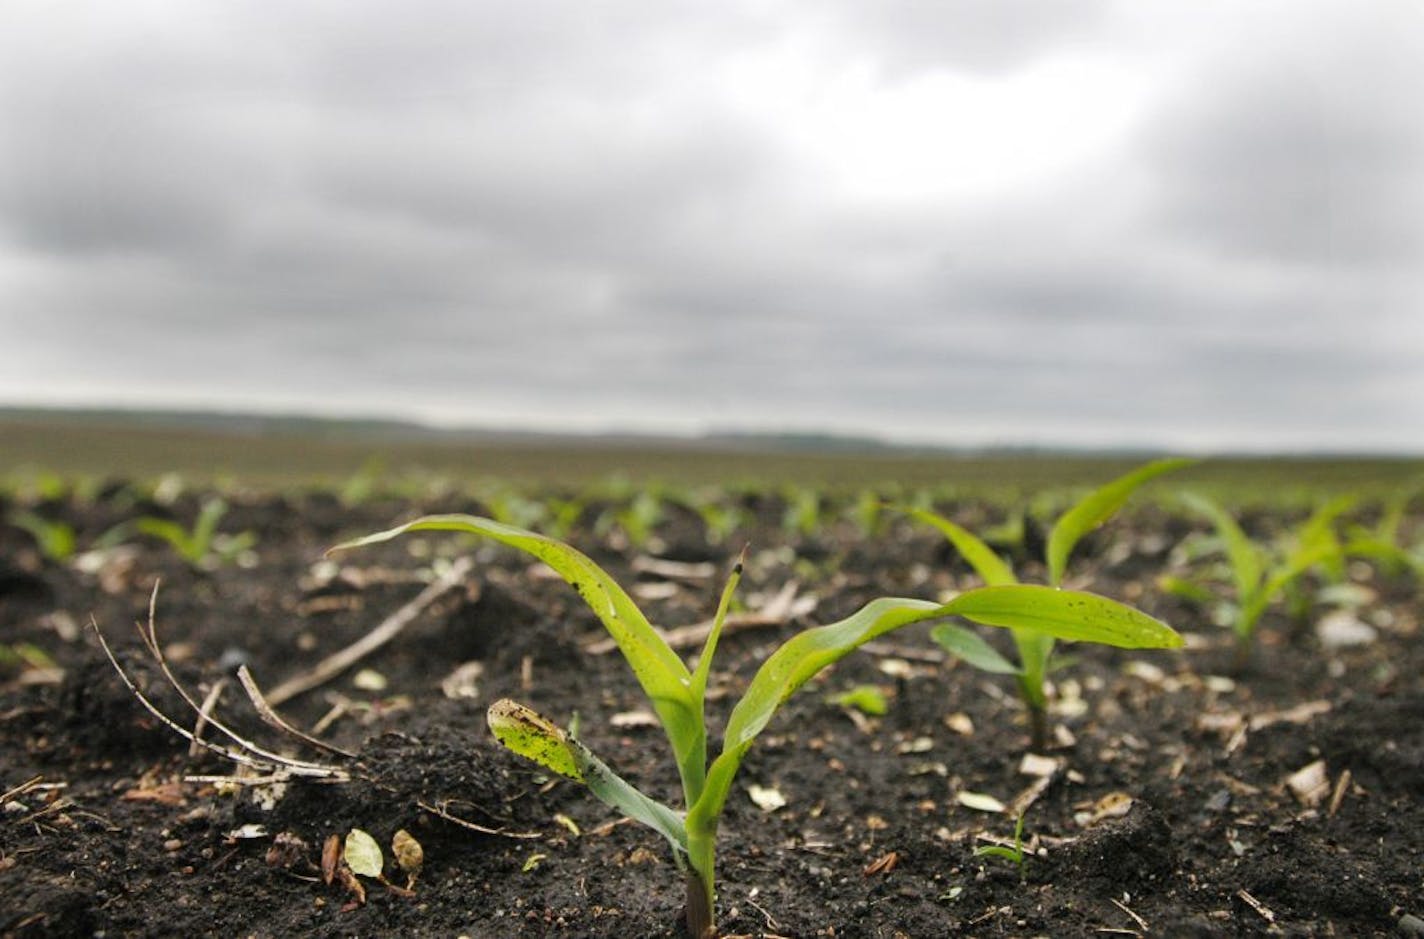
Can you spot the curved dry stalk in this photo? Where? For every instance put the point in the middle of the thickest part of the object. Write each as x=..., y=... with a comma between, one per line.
x=342, y=659
x=150, y=640
x=273, y=719
x=243, y=752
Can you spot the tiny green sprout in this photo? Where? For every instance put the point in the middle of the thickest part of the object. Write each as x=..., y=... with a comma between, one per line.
x=677, y=693
x=56, y=540
x=1259, y=573
x=1034, y=647
x=803, y=511
x=1014, y=855
x=867, y=699
x=1383, y=543
x=203, y=546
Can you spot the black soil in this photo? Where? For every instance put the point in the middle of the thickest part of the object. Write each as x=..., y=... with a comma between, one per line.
x=1168, y=810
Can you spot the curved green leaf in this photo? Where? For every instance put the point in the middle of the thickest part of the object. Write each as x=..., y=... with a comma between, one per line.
x=971, y=647
x=1064, y=614
x=985, y=561
x=662, y=675
x=1247, y=565
x=1095, y=509
x=537, y=738
x=532, y=736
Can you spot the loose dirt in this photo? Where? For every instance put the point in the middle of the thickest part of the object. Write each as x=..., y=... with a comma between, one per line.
x=1180, y=799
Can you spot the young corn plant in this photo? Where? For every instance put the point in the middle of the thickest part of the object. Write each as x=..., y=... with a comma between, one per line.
x=1384, y=544
x=677, y=693
x=1259, y=574
x=1034, y=647
x=202, y=546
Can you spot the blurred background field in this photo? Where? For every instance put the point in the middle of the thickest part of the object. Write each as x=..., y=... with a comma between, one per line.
x=276, y=454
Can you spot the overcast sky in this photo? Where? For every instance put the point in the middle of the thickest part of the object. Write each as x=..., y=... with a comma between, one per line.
x=1195, y=224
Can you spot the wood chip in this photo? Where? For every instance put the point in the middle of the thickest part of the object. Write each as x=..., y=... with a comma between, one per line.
x=1112, y=805
x=960, y=723
x=1310, y=784
x=1300, y=714
x=674, y=570
x=1261, y=909
x=979, y=801
x=882, y=865
x=1342, y=785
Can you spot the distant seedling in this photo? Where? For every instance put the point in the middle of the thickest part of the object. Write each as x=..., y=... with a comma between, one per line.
x=1260, y=573
x=56, y=541
x=202, y=546
x=677, y=694
x=1034, y=646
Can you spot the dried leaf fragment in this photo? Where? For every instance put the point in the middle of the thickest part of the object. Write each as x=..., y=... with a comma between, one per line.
x=409, y=855
x=362, y=854
x=979, y=801
x=1310, y=784
x=767, y=798
x=883, y=864
x=330, y=858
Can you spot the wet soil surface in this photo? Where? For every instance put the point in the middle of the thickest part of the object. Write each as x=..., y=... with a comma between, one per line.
x=1180, y=798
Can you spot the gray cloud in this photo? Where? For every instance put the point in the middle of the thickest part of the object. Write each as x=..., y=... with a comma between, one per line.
x=575, y=217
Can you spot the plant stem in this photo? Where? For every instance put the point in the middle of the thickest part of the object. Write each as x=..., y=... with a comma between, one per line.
x=1038, y=727
x=700, y=924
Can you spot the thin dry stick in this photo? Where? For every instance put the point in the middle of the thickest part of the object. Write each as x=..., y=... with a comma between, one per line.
x=150, y=639
x=21, y=789
x=1142, y=923
x=209, y=703
x=273, y=719
x=228, y=753
x=338, y=662
x=465, y=823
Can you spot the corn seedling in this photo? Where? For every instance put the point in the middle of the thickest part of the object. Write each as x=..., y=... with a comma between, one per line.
x=1383, y=544
x=1260, y=574
x=56, y=541
x=202, y=546
x=677, y=693
x=802, y=515
x=1034, y=647
x=1014, y=855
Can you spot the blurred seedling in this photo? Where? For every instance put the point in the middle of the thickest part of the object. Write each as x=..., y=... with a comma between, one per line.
x=1034, y=647
x=1384, y=543
x=363, y=484
x=802, y=515
x=677, y=693
x=55, y=540
x=863, y=699
x=637, y=518
x=1014, y=854
x=1259, y=573
x=202, y=546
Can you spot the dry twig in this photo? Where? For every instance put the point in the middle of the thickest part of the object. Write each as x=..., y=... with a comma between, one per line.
x=338, y=662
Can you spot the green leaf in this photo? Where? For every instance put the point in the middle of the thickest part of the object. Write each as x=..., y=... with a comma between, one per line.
x=1095, y=509
x=971, y=647
x=986, y=563
x=1317, y=537
x=537, y=738
x=533, y=737
x=1247, y=565
x=788, y=668
x=867, y=699
x=362, y=854
x=1060, y=613
x=662, y=675
x=1064, y=614
x=709, y=648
